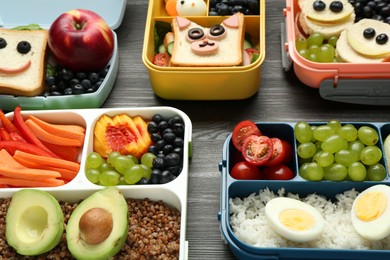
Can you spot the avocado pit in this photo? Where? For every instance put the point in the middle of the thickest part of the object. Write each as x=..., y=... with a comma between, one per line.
x=95, y=225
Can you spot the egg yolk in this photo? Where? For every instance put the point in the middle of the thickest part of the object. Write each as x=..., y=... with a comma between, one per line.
x=296, y=219
x=370, y=206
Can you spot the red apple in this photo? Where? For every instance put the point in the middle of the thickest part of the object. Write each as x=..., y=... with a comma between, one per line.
x=81, y=40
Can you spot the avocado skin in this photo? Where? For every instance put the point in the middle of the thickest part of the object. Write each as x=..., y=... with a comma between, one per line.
x=111, y=199
x=22, y=204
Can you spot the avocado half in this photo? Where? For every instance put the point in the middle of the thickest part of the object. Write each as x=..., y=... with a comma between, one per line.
x=111, y=201
x=34, y=222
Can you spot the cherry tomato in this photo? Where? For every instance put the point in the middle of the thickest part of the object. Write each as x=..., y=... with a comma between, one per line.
x=250, y=55
x=277, y=172
x=287, y=147
x=245, y=171
x=242, y=130
x=278, y=153
x=162, y=59
x=257, y=149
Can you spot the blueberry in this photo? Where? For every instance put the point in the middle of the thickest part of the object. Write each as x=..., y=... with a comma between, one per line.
x=152, y=149
x=160, y=144
x=68, y=91
x=78, y=89
x=93, y=77
x=155, y=175
x=178, y=142
x=86, y=83
x=169, y=137
x=172, y=159
x=382, y=39
x=167, y=149
x=144, y=181
x=156, y=137
x=162, y=125
x=319, y=5
x=50, y=80
x=157, y=118
x=81, y=75
x=74, y=81
x=175, y=170
x=165, y=177
x=158, y=163
x=152, y=127
x=178, y=129
x=336, y=6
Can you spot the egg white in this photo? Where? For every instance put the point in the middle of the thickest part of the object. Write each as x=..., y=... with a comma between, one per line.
x=276, y=206
x=378, y=228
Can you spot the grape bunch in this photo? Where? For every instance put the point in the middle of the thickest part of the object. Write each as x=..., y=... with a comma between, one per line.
x=161, y=164
x=315, y=48
x=337, y=152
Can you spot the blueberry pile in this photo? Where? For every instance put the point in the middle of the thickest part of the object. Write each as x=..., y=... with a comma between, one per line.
x=63, y=81
x=229, y=7
x=373, y=9
x=167, y=135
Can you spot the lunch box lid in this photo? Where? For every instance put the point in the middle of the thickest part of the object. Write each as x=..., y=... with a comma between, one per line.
x=44, y=12
x=342, y=82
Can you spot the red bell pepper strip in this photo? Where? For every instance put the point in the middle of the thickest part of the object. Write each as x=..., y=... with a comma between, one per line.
x=4, y=134
x=11, y=146
x=10, y=127
x=26, y=132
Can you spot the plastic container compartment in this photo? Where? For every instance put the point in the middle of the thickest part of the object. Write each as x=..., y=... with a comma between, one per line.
x=204, y=83
x=11, y=15
x=173, y=193
x=232, y=188
x=358, y=83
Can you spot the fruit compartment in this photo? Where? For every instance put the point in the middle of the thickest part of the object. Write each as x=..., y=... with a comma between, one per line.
x=165, y=194
x=88, y=117
x=245, y=250
x=285, y=131
x=330, y=75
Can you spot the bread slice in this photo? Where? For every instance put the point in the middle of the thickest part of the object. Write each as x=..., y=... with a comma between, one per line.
x=353, y=47
x=22, y=74
x=224, y=50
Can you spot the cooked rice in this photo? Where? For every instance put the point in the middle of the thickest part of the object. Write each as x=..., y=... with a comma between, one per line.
x=248, y=222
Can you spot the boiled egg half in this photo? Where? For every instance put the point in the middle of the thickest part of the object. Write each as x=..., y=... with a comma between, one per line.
x=293, y=219
x=371, y=212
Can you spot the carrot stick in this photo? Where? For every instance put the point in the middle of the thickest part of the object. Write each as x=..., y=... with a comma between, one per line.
x=70, y=153
x=48, y=161
x=66, y=131
x=43, y=135
x=31, y=183
x=11, y=146
x=66, y=175
x=9, y=167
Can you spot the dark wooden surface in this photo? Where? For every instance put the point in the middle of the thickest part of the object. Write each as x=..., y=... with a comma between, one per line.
x=281, y=97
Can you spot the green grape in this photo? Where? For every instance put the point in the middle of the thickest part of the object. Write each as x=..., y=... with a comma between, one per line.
x=357, y=171
x=314, y=49
x=376, y=172
x=93, y=175
x=368, y=135
x=122, y=163
x=315, y=39
x=333, y=40
x=334, y=143
x=306, y=150
x=325, y=53
x=304, y=53
x=122, y=180
x=112, y=157
x=147, y=171
x=302, y=131
x=318, y=145
x=346, y=157
x=105, y=167
x=303, y=170
x=302, y=161
x=314, y=172
x=356, y=146
x=323, y=158
x=313, y=57
x=370, y=155
x=335, y=124
x=132, y=157
x=94, y=160
x=322, y=132
x=147, y=159
x=109, y=178
x=335, y=172
x=348, y=132
x=301, y=43
x=134, y=174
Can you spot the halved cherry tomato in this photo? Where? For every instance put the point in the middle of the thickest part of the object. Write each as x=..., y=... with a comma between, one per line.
x=277, y=172
x=245, y=171
x=257, y=149
x=243, y=130
x=287, y=147
x=161, y=59
x=278, y=153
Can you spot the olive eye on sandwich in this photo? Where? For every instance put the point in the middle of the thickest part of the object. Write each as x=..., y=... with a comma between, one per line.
x=3, y=43
x=195, y=34
x=23, y=47
x=216, y=32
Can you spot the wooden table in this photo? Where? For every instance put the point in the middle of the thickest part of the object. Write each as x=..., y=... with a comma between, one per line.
x=281, y=97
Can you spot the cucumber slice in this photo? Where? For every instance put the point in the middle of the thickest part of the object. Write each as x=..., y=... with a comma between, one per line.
x=170, y=48
x=161, y=49
x=247, y=44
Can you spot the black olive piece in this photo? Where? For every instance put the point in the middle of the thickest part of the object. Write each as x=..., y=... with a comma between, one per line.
x=382, y=39
x=319, y=5
x=23, y=47
x=3, y=43
x=86, y=83
x=369, y=33
x=217, y=30
x=93, y=77
x=68, y=91
x=195, y=33
x=336, y=6
x=78, y=89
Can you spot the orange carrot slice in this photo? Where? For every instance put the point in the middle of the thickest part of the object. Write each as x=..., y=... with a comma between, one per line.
x=30, y=183
x=43, y=135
